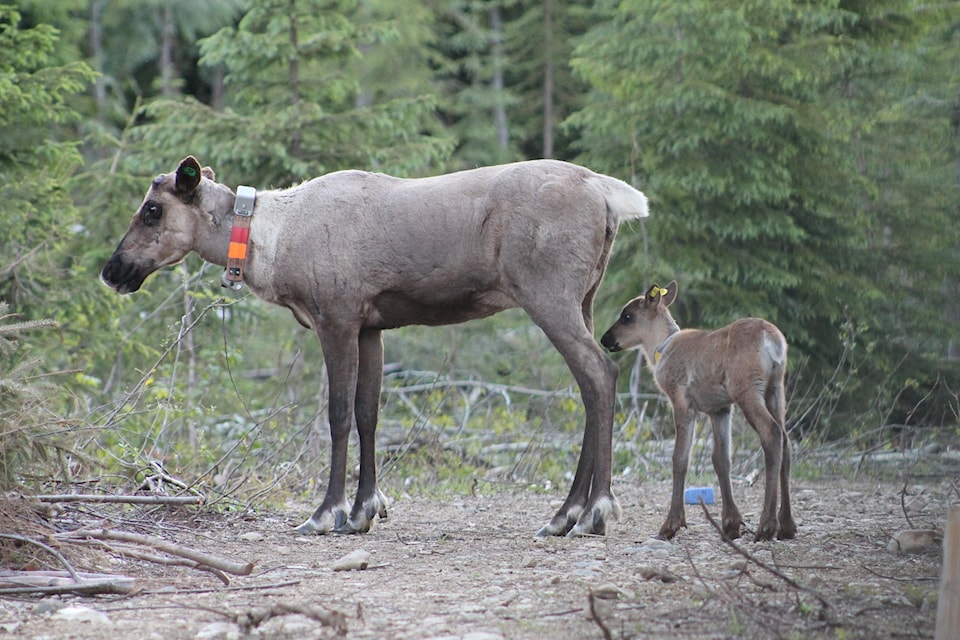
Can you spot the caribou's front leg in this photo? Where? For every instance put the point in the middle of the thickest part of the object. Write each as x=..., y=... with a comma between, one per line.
x=340, y=354
x=370, y=501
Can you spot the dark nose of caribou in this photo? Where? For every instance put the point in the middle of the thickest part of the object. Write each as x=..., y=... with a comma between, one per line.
x=610, y=342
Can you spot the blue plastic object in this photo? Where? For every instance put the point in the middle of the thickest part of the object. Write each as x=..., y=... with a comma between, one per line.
x=693, y=495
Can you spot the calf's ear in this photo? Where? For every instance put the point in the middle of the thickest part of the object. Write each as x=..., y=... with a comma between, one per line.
x=188, y=175
x=671, y=293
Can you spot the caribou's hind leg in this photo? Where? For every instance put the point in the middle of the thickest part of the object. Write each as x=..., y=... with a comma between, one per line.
x=591, y=502
x=370, y=501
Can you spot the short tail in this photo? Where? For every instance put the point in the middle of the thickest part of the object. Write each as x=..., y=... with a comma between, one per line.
x=623, y=201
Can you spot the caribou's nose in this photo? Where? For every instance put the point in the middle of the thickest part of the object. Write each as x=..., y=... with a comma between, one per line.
x=610, y=342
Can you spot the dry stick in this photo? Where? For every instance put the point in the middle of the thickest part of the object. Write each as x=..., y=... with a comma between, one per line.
x=763, y=565
x=596, y=618
x=903, y=503
x=56, y=554
x=170, y=562
x=247, y=620
x=50, y=584
x=227, y=566
x=93, y=497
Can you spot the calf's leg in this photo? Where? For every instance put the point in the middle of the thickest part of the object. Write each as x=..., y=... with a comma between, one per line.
x=732, y=521
x=777, y=406
x=370, y=501
x=771, y=440
x=683, y=420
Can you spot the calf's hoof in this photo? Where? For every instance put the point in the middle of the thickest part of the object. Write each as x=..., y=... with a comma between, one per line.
x=787, y=531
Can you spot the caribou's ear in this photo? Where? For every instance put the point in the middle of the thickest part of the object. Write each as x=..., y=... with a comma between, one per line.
x=653, y=294
x=208, y=173
x=188, y=175
x=671, y=293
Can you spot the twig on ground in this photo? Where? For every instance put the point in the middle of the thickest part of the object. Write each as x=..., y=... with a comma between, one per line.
x=596, y=617
x=95, y=498
x=248, y=587
x=56, y=554
x=903, y=504
x=201, y=558
x=825, y=605
x=62, y=582
x=247, y=620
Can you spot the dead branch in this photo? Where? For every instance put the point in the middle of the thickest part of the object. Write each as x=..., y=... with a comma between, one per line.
x=249, y=619
x=763, y=565
x=133, y=552
x=247, y=587
x=201, y=558
x=596, y=617
x=95, y=498
x=62, y=582
x=56, y=554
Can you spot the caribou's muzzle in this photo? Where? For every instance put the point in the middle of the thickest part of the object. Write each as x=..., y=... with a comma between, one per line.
x=123, y=275
x=610, y=342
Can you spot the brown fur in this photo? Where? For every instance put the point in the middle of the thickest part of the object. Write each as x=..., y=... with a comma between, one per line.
x=353, y=253
x=744, y=364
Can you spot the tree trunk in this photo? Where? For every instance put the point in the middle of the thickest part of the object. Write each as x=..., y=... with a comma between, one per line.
x=548, y=80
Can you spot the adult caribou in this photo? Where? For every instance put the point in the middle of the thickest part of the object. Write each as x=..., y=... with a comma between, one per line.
x=353, y=253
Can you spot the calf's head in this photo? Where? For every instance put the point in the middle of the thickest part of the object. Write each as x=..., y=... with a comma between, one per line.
x=642, y=320
x=163, y=230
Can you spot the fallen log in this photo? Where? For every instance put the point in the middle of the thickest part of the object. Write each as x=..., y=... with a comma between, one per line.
x=201, y=558
x=61, y=582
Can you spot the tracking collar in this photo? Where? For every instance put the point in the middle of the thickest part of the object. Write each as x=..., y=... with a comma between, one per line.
x=239, y=237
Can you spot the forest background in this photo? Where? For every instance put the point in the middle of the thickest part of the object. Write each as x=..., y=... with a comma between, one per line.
x=801, y=160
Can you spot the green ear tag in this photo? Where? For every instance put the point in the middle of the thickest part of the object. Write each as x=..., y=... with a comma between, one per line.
x=190, y=171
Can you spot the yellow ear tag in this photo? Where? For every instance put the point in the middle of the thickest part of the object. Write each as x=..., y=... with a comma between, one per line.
x=662, y=292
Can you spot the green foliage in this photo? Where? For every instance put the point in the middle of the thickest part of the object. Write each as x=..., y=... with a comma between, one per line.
x=35, y=161
x=294, y=108
x=800, y=158
x=734, y=117
x=27, y=448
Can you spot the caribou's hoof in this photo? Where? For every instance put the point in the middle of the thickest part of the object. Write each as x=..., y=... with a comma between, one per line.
x=323, y=521
x=562, y=522
x=364, y=515
x=593, y=521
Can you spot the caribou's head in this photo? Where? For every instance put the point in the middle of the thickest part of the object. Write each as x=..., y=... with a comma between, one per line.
x=166, y=226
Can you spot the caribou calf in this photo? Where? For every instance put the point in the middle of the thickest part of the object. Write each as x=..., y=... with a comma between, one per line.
x=353, y=253
x=743, y=363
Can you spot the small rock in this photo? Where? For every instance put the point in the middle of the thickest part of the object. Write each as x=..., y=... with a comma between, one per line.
x=353, y=561
x=49, y=605
x=482, y=635
x=654, y=544
x=77, y=613
x=915, y=541
x=251, y=536
x=219, y=631
x=652, y=573
x=611, y=591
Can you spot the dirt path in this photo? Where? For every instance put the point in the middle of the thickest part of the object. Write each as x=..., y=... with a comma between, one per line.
x=469, y=568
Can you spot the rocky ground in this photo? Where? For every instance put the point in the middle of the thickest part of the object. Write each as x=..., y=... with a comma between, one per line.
x=468, y=567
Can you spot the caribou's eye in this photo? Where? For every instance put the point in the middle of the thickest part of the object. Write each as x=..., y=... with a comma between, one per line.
x=151, y=212
x=626, y=318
